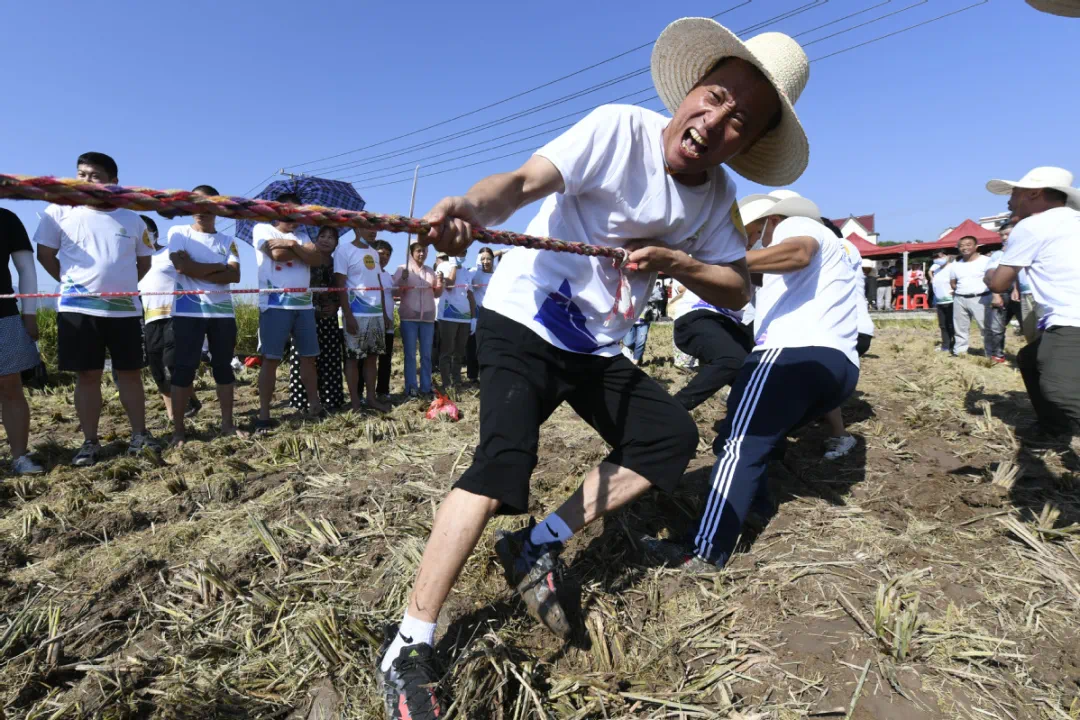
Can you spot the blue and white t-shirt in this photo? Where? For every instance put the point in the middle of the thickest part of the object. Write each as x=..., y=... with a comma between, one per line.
x=689, y=301
x=360, y=266
x=616, y=189
x=203, y=248
x=454, y=303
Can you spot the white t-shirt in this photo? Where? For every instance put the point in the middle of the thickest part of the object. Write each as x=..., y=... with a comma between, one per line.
x=281, y=273
x=454, y=305
x=942, y=282
x=360, y=266
x=690, y=301
x=203, y=248
x=813, y=307
x=1048, y=246
x=388, y=298
x=865, y=324
x=480, y=281
x=969, y=275
x=97, y=253
x=616, y=190
x=161, y=277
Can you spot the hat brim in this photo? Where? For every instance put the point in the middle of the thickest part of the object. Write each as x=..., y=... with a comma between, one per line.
x=1005, y=187
x=754, y=207
x=690, y=47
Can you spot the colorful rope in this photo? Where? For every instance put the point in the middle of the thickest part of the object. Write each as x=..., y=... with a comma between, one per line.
x=171, y=203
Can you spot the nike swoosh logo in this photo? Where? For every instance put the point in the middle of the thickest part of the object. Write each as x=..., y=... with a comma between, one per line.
x=553, y=533
x=406, y=638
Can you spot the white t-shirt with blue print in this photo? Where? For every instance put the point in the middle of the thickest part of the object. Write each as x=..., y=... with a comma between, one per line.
x=617, y=189
x=360, y=266
x=203, y=248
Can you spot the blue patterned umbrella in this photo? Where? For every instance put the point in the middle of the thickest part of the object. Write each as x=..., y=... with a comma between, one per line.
x=311, y=191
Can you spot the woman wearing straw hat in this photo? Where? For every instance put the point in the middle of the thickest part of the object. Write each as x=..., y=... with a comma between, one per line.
x=804, y=364
x=1046, y=243
x=550, y=325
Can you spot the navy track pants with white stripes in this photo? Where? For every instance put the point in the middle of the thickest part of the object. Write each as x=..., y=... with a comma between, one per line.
x=777, y=390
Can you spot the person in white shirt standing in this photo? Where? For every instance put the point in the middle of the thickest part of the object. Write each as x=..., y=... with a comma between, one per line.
x=481, y=278
x=99, y=251
x=356, y=266
x=551, y=323
x=971, y=297
x=157, y=287
x=283, y=255
x=1046, y=244
x=205, y=261
x=382, y=383
x=941, y=279
x=457, y=308
x=804, y=364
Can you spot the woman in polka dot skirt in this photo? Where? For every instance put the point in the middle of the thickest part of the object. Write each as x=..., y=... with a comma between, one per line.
x=328, y=366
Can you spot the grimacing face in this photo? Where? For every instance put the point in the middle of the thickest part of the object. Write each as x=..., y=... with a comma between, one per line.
x=729, y=110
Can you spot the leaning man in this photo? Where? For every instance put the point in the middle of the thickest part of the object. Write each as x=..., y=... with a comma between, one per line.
x=550, y=325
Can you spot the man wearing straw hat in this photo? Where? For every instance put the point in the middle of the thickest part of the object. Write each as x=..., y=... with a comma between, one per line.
x=805, y=364
x=1046, y=243
x=550, y=325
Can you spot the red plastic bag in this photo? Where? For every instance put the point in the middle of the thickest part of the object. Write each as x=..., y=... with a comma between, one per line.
x=442, y=405
x=252, y=361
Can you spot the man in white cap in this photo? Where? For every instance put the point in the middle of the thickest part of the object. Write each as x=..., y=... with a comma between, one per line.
x=1046, y=244
x=804, y=364
x=551, y=323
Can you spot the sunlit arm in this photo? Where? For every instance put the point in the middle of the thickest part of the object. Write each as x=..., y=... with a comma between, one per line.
x=791, y=255
x=1002, y=278
x=726, y=285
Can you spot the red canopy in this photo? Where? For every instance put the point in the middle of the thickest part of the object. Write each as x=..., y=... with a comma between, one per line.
x=968, y=228
x=861, y=244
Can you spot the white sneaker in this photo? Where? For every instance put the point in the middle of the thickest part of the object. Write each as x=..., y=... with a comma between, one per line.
x=838, y=447
x=25, y=465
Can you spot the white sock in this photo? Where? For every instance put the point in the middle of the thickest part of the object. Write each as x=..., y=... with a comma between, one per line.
x=412, y=631
x=552, y=529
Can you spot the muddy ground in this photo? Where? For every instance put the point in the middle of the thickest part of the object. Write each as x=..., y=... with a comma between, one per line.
x=933, y=573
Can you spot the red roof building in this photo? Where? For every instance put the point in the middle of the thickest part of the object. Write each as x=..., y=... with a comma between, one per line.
x=861, y=225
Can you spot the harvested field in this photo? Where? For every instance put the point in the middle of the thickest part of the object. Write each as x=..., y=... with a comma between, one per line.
x=934, y=573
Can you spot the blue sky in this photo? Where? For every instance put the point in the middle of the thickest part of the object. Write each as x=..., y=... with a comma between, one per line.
x=909, y=128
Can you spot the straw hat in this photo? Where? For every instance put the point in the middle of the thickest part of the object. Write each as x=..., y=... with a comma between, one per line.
x=1041, y=177
x=785, y=203
x=1064, y=8
x=689, y=48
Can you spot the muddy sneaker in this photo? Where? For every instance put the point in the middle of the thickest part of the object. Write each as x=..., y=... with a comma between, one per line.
x=838, y=447
x=533, y=571
x=25, y=465
x=87, y=455
x=143, y=441
x=410, y=687
x=676, y=556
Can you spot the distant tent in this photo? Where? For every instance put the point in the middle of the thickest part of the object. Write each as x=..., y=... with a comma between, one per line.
x=984, y=237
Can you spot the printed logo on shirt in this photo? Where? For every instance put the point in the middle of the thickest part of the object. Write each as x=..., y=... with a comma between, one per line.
x=193, y=304
x=561, y=316
x=362, y=307
x=232, y=248
x=146, y=239
x=736, y=219
x=114, y=304
x=287, y=300
x=369, y=262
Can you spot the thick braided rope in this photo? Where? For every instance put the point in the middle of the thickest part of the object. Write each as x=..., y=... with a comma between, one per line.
x=66, y=191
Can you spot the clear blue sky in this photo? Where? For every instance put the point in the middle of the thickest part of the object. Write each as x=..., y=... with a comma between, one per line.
x=909, y=128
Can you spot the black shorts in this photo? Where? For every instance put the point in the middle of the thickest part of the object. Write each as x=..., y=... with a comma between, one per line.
x=160, y=349
x=523, y=379
x=220, y=334
x=83, y=339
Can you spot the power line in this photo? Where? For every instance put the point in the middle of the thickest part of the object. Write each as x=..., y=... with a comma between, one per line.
x=505, y=100
x=654, y=97
x=557, y=101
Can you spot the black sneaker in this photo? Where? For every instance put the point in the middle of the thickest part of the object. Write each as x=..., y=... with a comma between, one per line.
x=193, y=408
x=532, y=570
x=410, y=687
x=676, y=556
